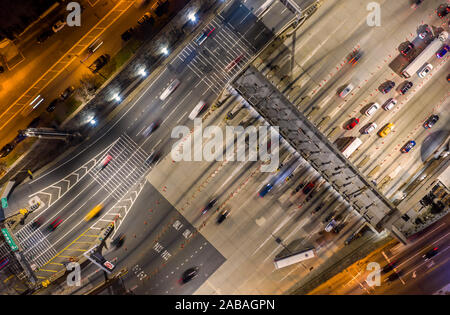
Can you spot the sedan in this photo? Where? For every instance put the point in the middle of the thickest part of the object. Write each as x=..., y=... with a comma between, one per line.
x=189, y=274
x=152, y=127
x=372, y=109
x=59, y=25
x=66, y=93
x=431, y=253
x=105, y=162
x=441, y=52
x=147, y=17
x=51, y=107
x=308, y=188
x=407, y=50
x=408, y=146
x=406, y=86
x=386, y=130
x=346, y=90
x=387, y=87
x=353, y=122
x=265, y=190
x=424, y=34
x=55, y=223
x=6, y=149
x=390, y=103
x=425, y=70
x=430, y=121
x=371, y=127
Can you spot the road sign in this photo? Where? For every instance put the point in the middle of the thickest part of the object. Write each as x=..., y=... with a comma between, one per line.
x=4, y=203
x=9, y=240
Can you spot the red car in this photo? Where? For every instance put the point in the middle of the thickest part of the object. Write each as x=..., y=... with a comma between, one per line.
x=308, y=188
x=233, y=64
x=52, y=226
x=352, y=123
x=105, y=162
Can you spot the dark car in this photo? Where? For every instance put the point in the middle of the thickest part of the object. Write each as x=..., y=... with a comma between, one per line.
x=265, y=190
x=146, y=19
x=189, y=274
x=297, y=189
x=389, y=267
x=222, y=216
x=308, y=188
x=443, y=10
x=353, y=122
x=318, y=208
x=67, y=92
x=431, y=121
x=408, y=146
x=407, y=50
x=6, y=149
x=19, y=138
x=118, y=240
x=431, y=253
x=34, y=123
x=406, y=86
x=387, y=87
x=329, y=217
x=128, y=34
x=44, y=36
x=393, y=276
x=54, y=224
x=209, y=206
x=443, y=51
x=99, y=63
x=51, y=107
x=153, y=158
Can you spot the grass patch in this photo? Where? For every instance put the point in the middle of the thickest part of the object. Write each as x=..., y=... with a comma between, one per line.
x=121, y=57
x=20, y=149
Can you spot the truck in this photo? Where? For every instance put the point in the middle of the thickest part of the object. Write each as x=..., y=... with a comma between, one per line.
x=426, y=54
x=351, y=146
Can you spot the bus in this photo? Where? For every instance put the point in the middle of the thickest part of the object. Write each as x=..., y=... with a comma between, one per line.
x=351, y=147
x=294, y=258
x=426, y=54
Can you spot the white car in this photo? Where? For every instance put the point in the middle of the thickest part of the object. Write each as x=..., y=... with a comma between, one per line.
x=372, y=109
x=59, y=25
x=172, y=86
x=423, y=72
x=390, y=104
x=371, y=127
x=346, y=90
x=200, y=106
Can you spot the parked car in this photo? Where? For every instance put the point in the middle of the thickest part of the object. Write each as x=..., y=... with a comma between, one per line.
x=146, y=18
x=308, y=188
x=42, y=37
x=407, y=50
x=386, y=130
x=59, y=25
x=390, y=104
x=389, y=85
x=346, y=90
x=51, y=107
x=6, y=149
x=353, y=122
x=128, y=34
x=408, y=146
x=99, y=63
x=67, y=92
x=425, y=70
x=443, y=10
x=425, y=33
x=370, y=127
x=431, y=121
x=265, y=190
x=406, y=86
x=372, y=109
x=441, y=52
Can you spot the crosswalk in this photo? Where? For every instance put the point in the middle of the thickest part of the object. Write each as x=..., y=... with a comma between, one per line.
x=217, y=65
x=5, y=253
x=35, y=246
x=127, y=167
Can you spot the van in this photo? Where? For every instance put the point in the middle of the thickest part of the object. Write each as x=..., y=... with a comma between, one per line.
x=200, y=106
x=93, y=212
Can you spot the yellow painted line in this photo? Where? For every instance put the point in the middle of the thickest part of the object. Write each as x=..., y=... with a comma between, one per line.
x=76, y=249
x=39, y=277
x=85, y=242
x=60, y=60
x=7, y=279
x=53, y=263
x=48, y=270
x=92, y=235
x=124, y=274
x=60, y=257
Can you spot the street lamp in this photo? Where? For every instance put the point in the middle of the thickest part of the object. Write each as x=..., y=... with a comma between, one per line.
x=192, y=17
x=93, y=122
x=117, y=97
x=165, y=51
x=142, y=72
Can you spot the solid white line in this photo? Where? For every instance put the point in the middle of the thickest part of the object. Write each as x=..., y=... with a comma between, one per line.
x=181, y=117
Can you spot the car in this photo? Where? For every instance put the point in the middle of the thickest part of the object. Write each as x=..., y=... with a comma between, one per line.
x=408, y=146
x=346, y=90
x=407, y=50
x=265, y=190
x=389, y=85
x=431, y=121
x=152, y=127
x=51, y=107
x=197, y=110
x=34, y=123
x=307, y=189
x=19, y=138
x=318, y=208
x=59, y=25
x=425, y=70
x=118, y=240
x=153, y=158
x=222, y=216
x=99, y=63
x=389, y=266
x=203, y=36
x=386, y=130
x=405, y=87
x=355, y=57
x=234, y=63
x=104, y=162
x=372, y=109
x=42, y=37
x=146, y=18
x=94, y=212
x=172, y=86
x=425, y=33
x=431, y=253
x=330, y=226
x=189, y=274
x=3, y=263
x=370, y=127
x=209, y=206
x=54, y=224
x=6, y=149
x=441, y=52
x=390, y=104
x=443, y=10
x=353, y=122
x=128, y=34
x=66, y=93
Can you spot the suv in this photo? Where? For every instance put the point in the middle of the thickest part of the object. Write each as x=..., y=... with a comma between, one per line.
x=387, y=87
x=406, y=86
x=407, y=50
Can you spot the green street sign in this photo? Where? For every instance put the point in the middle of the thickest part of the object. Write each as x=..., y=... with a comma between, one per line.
x=4, y=203
x=9, y=240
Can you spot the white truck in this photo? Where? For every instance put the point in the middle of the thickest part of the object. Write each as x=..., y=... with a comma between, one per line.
x=351, y=147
